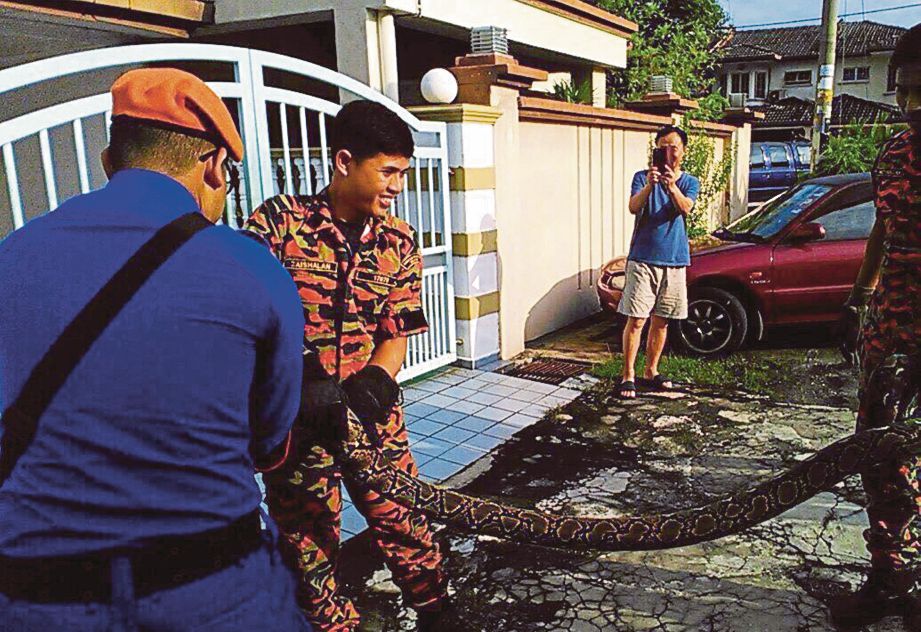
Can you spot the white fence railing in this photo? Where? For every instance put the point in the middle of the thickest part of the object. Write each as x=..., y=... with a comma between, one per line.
x=51, y=153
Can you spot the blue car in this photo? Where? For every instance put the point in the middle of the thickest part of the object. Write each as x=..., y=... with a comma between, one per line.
x=774, y=167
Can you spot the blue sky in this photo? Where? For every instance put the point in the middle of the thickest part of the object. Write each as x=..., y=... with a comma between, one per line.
x=743, y=12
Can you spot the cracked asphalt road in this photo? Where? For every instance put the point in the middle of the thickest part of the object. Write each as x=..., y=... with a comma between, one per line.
x=604, y=456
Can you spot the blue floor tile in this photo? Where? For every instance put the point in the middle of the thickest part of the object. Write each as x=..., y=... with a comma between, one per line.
x=475, y=423
x=353, y=521
x=484, y=441
x=461, y=455
x=454, y=435
x=419, y=409
x=424, y=428
x=431, y=446
x=502, y=431
x=446, y=417
x=438, y=470
x=494, y=414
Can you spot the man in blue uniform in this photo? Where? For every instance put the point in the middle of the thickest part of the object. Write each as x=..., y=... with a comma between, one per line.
x=134, y=504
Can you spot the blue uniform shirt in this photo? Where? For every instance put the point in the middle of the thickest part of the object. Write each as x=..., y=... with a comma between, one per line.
x=150, y=435
x=661, y=236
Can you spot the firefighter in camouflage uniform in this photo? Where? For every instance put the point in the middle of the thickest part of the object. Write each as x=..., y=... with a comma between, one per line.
x=888, y=291
x=359, y=273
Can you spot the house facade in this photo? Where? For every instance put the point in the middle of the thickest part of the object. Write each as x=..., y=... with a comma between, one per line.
x=768, y=65
x=517, y=199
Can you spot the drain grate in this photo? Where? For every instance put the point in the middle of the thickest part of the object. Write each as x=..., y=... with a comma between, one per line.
x=547, y=371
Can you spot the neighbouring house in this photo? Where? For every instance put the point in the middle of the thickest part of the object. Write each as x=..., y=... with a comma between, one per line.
x=791, y=118
x=517, y=199
x=776, y=70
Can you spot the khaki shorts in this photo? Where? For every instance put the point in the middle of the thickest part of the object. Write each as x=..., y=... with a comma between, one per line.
x=658, y=290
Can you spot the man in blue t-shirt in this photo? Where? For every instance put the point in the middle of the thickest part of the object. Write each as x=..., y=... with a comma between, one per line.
x=655, y=285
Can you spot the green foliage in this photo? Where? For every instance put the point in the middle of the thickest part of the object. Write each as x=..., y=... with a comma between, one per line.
x=677, y=38
x=714, y=176
x=853, y=150
x=712, y=107
x=572, y=92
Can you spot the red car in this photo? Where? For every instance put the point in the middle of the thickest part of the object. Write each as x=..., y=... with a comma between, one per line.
x=792, y=260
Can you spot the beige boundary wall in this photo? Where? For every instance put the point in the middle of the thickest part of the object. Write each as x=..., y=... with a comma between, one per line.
x=556, y=195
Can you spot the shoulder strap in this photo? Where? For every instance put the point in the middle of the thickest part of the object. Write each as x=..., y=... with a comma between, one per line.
x=20, y=419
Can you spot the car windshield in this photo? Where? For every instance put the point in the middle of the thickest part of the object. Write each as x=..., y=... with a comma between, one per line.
x=769, y=219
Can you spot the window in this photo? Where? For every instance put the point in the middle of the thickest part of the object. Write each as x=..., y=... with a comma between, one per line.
x=760, y=85
x=890, y=80
x=778, y=155
x=770, y=219
x=804, y=151
x=797, y=78
x=851, y=222
x=739, y=82
x=756, y=159
x=856, y=73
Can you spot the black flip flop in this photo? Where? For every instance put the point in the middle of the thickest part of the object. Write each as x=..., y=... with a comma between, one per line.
x=658, y=383
x=626, y=386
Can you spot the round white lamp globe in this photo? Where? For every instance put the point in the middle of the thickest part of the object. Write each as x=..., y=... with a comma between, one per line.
x=439, y=86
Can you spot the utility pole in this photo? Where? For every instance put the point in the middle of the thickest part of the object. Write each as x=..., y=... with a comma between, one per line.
x=825, y=89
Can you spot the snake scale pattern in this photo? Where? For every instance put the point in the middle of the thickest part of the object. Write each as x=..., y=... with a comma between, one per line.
x=729, y=515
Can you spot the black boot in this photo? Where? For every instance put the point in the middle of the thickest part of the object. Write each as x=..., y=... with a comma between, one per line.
x=434, y=618
x=884, y=594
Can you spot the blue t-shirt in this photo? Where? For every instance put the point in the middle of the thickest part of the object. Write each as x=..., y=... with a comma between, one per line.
x=661, y=236
x=151, y=433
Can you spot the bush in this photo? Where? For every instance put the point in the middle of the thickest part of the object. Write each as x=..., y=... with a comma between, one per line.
x=711, y=107
x=574, y=93
x=714, y=179
x=853, y=150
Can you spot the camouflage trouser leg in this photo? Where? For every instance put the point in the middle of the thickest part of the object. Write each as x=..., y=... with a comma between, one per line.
x=305, y=501
x=403, y=536
x=893, y=493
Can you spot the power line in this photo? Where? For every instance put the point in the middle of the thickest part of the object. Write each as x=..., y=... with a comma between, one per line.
x=843, y=15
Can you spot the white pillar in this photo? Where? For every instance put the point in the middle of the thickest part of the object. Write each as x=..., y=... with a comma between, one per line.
x=366, y=48
x=387, y=38
x=599, y=87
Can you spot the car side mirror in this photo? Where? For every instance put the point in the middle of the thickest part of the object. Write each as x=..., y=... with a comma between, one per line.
x=809, y=231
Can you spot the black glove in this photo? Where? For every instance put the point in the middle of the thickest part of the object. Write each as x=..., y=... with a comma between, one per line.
x=372, y=393
x=847, y=329
x=323, y=414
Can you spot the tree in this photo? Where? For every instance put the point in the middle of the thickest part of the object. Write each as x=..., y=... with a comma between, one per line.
x=678, y=38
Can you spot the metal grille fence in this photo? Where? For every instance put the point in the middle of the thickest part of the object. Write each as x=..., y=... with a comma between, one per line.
x=49, y=151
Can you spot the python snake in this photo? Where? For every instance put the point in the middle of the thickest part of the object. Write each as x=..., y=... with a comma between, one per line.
x=891, y=388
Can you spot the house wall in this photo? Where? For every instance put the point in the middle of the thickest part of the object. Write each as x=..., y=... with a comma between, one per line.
x=563, y=175
x=872, y=90
x=567, y=227
x=527, y=23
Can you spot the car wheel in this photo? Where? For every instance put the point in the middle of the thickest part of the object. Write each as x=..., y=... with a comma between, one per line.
x=717, y=323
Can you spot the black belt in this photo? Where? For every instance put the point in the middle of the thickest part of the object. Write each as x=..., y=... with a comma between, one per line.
x=165, y=563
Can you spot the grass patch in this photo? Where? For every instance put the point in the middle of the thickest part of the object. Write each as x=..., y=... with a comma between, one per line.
x=734, y=371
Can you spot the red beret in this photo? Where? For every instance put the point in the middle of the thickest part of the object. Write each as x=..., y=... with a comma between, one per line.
x=179, y=100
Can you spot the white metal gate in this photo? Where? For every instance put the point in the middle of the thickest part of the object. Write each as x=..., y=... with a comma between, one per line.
x=49, y=150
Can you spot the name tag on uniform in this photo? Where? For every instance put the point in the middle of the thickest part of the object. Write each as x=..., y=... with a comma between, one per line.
x=376, y=278
x=310, y=265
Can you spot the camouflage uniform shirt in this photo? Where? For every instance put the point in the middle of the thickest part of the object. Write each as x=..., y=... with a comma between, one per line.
x=351, y=300
x=894, y=318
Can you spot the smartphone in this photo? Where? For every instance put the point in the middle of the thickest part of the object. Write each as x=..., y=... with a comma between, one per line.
x=658, y=159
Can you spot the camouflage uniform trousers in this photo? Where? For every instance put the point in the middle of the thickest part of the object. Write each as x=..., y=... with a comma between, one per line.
x=305, y=500
x=894, y=511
